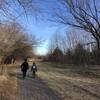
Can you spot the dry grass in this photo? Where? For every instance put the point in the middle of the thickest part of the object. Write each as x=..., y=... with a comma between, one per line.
x=69, y=82
x=7, y=88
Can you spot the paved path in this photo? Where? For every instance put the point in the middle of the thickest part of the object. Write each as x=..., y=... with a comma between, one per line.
x=33, y=89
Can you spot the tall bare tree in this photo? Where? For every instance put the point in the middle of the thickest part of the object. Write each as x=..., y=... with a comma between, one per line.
x=13, y=9
x=57, y=41
x=85, y=15
x=14, y=40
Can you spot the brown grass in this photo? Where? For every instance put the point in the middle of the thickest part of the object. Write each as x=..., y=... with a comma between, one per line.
x=70, y=82
x=7, y=88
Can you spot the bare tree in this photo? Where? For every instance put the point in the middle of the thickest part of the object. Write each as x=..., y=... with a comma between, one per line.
x=14, y=40
x=57, y=41
x=13, y=9
x=85, y=15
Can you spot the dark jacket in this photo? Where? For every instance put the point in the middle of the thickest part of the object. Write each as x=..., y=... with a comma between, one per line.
x=34, y=68
x=24, y=66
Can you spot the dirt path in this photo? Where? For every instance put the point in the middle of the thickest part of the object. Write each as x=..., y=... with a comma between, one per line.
x=50, y=84
x=33, y=89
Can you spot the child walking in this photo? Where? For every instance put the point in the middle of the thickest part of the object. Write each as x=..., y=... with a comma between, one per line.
x=34, y=69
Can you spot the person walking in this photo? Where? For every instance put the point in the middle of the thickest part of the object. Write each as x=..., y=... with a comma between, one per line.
x=34, y=69
x=24, y=68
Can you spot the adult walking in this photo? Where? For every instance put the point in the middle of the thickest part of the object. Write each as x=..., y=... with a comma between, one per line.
x=24, y=68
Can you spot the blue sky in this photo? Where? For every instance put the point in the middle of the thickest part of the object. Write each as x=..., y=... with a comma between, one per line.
x=38, y=23
x=42, y=30
x=41, y=27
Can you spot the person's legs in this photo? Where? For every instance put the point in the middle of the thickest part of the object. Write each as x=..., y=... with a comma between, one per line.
x=34, y=74
x=24, y=74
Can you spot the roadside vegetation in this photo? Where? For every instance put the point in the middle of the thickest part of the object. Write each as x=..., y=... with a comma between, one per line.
x=73, y=48
x=71, y=82
x=71, y=68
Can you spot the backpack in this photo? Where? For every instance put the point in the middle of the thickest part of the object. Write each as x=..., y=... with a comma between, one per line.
x=34, y=68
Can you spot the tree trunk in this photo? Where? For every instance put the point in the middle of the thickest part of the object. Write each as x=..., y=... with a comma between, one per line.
x=98, y=51
x=98, y=44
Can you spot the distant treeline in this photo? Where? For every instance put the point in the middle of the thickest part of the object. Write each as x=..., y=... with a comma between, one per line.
x=77, y=56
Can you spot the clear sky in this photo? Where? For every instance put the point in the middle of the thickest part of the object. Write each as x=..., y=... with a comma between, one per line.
x=43, y=30
x=41, y=27
x=37, y=21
